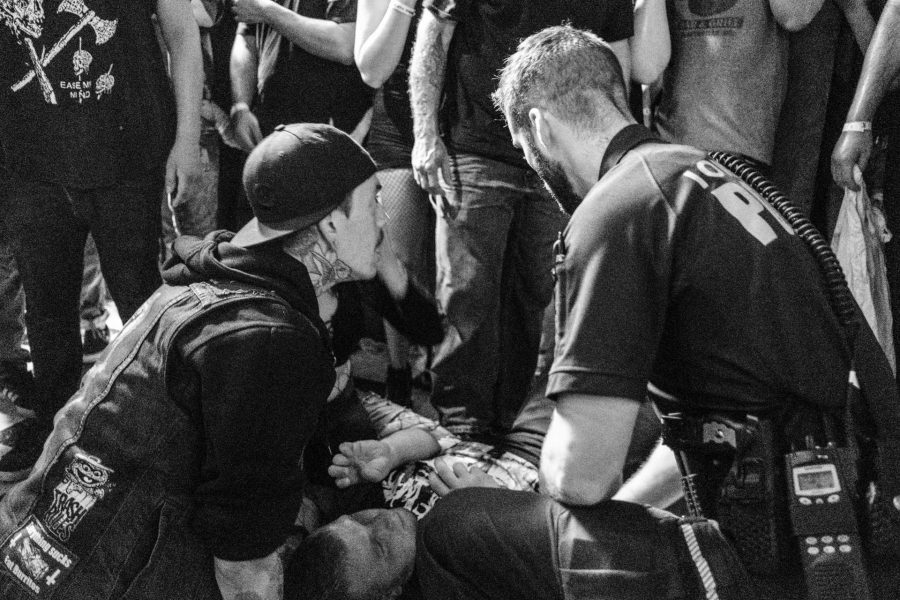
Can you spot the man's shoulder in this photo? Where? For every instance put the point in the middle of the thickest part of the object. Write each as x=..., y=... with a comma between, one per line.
x=640, y=178
x=252, y=315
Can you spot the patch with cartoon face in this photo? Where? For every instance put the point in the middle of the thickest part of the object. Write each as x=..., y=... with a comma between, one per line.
x=85, y=482
x=35, y=559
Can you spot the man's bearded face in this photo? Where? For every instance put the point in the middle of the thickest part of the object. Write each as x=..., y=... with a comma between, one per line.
x=554, y=177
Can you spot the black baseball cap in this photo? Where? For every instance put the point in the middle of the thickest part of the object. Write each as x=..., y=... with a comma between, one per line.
x=296, y=176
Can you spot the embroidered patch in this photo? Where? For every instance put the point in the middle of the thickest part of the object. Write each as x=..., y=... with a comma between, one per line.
x=85, y=482
x=36, y=560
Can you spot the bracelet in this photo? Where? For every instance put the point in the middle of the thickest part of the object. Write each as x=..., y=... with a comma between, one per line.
x=402, y=8
x=238, y=107
x=857, y=126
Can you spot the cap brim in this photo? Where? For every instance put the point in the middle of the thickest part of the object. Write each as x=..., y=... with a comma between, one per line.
x=255, y=233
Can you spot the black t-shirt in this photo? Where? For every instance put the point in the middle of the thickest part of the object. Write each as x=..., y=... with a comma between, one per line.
x=486, y=33
x=84, y=97
x=391, y=136
x=677, y=274
x=295, y=86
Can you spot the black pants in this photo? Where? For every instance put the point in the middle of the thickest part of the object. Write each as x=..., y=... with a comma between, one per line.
x=48, y=225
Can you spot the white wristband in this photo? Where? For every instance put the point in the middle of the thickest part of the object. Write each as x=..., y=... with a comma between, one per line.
x=857, y=126
x=402, y=8
x=238, y=107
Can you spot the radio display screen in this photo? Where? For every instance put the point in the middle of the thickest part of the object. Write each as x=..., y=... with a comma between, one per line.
x=816, y=480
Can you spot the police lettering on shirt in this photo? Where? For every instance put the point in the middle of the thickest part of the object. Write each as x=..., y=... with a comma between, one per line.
x=740, y=201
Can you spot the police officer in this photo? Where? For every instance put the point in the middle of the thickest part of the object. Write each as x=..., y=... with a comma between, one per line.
x=673, y=276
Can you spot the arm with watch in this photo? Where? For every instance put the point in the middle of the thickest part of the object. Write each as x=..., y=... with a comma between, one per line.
x=881, y=66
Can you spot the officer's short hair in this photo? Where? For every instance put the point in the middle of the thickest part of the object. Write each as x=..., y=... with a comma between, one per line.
x=565, y=70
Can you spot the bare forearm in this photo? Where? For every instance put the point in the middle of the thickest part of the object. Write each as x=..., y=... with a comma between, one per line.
x=585, y=447
x=408, y=445
x=380, y=37
x=321, y=37
x=242, y=69
x=657, y=482
x=860, y=20
x=427, y=70
x=794, y=15
x=881, y=65
x=259, y=579
x=182, y=38
x=651, y=46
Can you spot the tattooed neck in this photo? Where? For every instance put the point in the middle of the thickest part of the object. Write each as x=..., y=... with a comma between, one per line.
x=324, y=267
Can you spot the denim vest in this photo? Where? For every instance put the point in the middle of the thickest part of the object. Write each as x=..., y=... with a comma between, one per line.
x=106, y=512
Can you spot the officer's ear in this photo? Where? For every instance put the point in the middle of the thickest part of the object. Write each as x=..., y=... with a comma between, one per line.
x=543, y=126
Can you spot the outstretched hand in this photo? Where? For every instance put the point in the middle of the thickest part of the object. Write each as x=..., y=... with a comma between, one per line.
x=365, y=460
x=447, y=478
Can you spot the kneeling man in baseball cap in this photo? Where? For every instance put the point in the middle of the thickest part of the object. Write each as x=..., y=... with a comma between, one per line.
x=173, y=471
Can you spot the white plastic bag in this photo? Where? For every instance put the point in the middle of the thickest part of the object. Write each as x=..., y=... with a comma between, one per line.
x=858, y=242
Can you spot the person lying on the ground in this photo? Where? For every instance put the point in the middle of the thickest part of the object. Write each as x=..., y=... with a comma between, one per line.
x=419, y=461
x=631, y=551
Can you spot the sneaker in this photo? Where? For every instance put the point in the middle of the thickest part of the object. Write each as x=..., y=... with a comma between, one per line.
x=21, y=441
x=16, y=383
x=93, y=342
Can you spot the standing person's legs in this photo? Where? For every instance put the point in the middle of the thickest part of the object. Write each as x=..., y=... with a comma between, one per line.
x=526, y=291
x=410, y=229
x=471, y=240
x=125, y=223
x=94, y=332
x=47, y=237
x=15, y=380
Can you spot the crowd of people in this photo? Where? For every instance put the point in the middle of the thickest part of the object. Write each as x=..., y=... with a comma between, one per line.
x=502, y=185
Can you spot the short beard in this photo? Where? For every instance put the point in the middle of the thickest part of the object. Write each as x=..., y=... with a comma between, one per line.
x=554, y=179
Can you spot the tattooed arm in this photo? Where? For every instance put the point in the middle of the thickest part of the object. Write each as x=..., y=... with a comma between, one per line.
x=426, y=83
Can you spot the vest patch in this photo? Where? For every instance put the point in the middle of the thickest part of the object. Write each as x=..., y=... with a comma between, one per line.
x=85, y=482
x=36, y=560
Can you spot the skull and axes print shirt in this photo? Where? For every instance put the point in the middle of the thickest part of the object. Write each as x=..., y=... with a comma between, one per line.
x=83, y=91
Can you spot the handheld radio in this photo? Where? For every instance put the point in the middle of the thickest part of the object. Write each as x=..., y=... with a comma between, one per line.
x=820, y=484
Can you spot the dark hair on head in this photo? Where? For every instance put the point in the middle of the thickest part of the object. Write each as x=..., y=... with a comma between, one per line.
x=319, y=570
x=565, y=70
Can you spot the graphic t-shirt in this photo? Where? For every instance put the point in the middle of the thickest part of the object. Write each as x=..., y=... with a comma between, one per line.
x=81, y=87
x=726, y=81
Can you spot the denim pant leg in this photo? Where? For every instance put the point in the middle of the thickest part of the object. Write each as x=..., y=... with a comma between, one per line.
x=124, y=221
x=470, y=243
x=526, y=291
x=12, y=307
x=493, y=283
x=48, y=240
x=93, y=289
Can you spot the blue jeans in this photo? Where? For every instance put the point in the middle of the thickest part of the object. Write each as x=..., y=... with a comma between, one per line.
x=48, y=226
x=493, y=243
